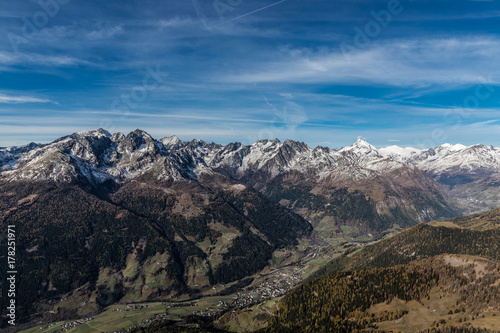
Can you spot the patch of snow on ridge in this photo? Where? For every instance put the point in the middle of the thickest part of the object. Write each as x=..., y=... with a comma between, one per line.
x=453, y=148
x=398, y=153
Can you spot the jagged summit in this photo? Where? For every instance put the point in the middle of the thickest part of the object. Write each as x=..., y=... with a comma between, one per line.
x=10, y=155
x=100, y=132
x=362, y=142
x=171, y=143
x=170, y=140
x=361, y=148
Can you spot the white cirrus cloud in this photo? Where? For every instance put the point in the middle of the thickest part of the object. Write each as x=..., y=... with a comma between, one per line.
x=404, y=63
x=6, y=99
x=104, y=32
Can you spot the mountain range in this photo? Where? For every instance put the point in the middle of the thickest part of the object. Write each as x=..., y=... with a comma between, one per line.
x=289, y=172
x=386, y=186
x=389, y=177
x=112, y=217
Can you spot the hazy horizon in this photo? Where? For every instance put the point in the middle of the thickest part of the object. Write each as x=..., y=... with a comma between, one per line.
x=329, y=145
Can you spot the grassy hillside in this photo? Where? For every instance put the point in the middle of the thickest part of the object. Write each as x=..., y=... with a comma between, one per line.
x=444, y=291
x=422, y=241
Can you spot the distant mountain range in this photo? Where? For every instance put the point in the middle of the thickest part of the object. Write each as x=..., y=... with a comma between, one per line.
x=106, y=217
x=471, y=175
x=290, y=172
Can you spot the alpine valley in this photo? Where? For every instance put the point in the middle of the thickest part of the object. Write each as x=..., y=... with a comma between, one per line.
x=127, y=232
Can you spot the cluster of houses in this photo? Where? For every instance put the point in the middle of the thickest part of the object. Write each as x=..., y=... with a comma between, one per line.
x=266, y=290
x=132, y=307
x=67, y=326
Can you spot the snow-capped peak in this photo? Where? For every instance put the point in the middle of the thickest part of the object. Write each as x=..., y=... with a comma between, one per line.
x=171, y=143
x=170, y=140
x=99, y=133
x=266, y=143
x=361, y=148
x=10, y=155
x=362, y=142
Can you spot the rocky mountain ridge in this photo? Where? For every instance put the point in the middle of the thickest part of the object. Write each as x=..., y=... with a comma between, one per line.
x=470, y=174
x=121, y=157
x=394, y=190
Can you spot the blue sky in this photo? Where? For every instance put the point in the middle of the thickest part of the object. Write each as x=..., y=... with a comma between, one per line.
x=411, y=73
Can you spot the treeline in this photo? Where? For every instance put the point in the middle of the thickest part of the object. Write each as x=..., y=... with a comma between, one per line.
x=168, y=326
x=460, y=329
x=418, y=242
x=482, y=221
